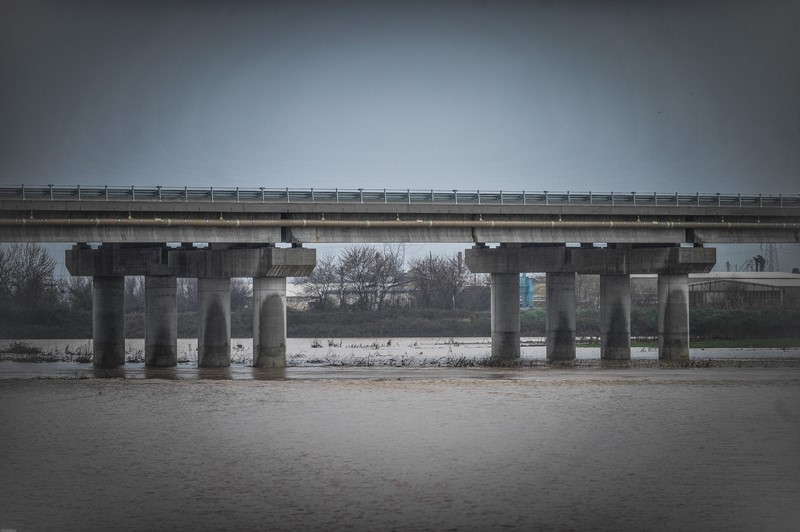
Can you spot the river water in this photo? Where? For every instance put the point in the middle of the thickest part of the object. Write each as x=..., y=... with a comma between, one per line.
x=404, y=449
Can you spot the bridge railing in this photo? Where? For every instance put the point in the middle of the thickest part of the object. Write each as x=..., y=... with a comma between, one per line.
x=311, y=195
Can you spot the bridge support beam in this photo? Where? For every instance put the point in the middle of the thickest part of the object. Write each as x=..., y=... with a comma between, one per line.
x=161, y=321
x=615, y=317
x=673, y=316
x=214, y=331
x=269, y=322
x=505, y=316
x=560, y=316
x=108, y=320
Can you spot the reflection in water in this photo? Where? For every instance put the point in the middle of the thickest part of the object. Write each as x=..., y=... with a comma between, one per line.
x=269, y=374
x=214, y=373
x=170, y=373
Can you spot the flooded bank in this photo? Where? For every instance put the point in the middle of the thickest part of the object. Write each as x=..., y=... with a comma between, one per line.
x=405, y=449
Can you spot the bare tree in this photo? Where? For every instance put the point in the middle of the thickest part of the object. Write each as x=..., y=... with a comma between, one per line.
x=79, y=293
x=187, y=295
x=438, y=281
x=26, y=276
x=322, y=282
x=587, y=291
x=241, y=294
x=372, y=275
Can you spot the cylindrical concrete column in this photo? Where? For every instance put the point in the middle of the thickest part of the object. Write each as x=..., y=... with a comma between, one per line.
x=160, y=321
x=673, y=316
x=269, y=322
x=108, y=320
x=615, y=317
x=505, y=316
x=214, y=331
x=560, y=316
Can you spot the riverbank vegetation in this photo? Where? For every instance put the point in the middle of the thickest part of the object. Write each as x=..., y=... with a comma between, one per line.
x=365, y=292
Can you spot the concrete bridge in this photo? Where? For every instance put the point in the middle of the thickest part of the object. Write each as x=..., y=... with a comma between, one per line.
x=618, y=234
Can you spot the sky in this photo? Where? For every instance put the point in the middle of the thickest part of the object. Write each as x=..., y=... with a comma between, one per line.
x=453, y=94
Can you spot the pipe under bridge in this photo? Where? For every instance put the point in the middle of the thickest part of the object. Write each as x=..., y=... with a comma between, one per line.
x=661, y=233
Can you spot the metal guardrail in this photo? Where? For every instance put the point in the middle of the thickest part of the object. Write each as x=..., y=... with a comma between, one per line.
x=477, y=197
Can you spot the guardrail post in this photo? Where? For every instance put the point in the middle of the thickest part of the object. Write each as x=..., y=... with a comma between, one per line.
x=501, y=197
x=185, y=193
x=719, y=200
x=51, y=192
x=612, y=198
x=211, y=189
x=262, y=194
x=655, y=198
x=524, y=200
x=633, y=195
x=569, y=198
x=740, y=199
x=455, y=196
x=780, y=199
x=133, y=193
x=760, y=203
x=106, y=192
x=79, y=192
x=546, y=200
x=159, y=193
x=385, y=200
x=479, y=196
x=361, y=195
x=337, y=195
x=591, y=200
x=431, y=195
x=312, y=194
x=237, y=194
x=23, y=191
x=287, y=194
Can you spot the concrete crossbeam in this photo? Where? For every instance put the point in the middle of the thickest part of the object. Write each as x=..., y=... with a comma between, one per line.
x=243, y=262
x=609, y=261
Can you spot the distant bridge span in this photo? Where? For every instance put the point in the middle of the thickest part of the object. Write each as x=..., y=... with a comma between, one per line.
x=643, y=233
x=299, y=216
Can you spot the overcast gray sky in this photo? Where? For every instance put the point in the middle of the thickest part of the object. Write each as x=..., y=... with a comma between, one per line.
x=549, y=95
x=638, y=95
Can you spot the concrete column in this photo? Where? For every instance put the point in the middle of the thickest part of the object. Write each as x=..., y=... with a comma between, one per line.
x=161, y=321
x=108, y=320
x=560, y=316
x=214, y=331
x=269, y=322
x=673, y=316
x=505, y=316
x=615, y=317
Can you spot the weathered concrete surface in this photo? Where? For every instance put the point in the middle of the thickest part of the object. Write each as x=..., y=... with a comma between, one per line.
x=108, y=321
x=505, y=316
x=560, y=316
x=161, y=321
x=269, y=322
x=673, y=317
x=243, y=262
x=115, y=260
x=214, y=331
x=615, y=317
x=619, y=261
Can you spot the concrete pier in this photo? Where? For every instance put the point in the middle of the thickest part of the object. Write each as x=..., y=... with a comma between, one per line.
x=108, y=320
x=505, y=316
x=161, y=321
x=615, y=317
x=214, y=331
x=560, y=316
x=269, y=322
x=673, y=316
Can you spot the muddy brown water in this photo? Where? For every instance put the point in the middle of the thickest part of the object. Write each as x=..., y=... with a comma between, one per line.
x=405, y=449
